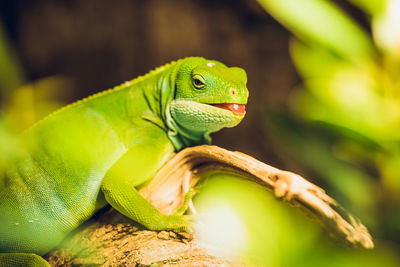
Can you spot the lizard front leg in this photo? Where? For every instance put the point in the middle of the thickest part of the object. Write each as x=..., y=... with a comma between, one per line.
x=136, y=166
x=126, y=199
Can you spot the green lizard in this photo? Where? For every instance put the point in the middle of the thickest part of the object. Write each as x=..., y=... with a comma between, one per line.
x=98, y=150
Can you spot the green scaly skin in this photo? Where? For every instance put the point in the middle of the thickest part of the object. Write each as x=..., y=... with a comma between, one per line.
x=98, y=150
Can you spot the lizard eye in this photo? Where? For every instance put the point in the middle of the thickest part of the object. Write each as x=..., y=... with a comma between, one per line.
x=198, y=82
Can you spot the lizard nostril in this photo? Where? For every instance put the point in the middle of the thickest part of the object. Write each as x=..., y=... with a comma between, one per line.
x=232, y=91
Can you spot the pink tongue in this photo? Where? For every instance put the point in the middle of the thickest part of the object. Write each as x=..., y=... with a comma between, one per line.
x=235, y=108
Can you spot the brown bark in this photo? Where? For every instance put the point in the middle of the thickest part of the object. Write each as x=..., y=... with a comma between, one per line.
x=114, y=240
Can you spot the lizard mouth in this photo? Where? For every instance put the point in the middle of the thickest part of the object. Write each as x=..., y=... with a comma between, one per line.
x=233, y=107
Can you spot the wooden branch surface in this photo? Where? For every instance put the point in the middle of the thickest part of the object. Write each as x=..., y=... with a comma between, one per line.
x=166, y=191
x=114, y=240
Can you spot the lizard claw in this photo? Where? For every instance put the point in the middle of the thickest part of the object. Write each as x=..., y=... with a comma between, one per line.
x=178, y=223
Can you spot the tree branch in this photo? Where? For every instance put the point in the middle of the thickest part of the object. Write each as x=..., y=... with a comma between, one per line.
x=165, y=190
x=113, y=239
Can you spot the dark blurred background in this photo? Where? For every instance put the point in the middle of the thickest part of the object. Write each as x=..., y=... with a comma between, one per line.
x=99, y=44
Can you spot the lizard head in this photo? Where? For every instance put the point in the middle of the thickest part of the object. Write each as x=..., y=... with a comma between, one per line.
x=209, y=95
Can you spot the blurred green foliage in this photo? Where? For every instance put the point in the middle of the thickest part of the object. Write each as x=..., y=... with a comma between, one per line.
x=241, y=220
x=342, y=127
x=11, y=74
x=21, y=103
x=31, y=102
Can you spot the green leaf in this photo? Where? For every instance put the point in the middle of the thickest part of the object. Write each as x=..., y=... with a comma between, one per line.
x=372, y=7
x=344, y=94
x=314, y=61
x=322, y=22
x=386, y=30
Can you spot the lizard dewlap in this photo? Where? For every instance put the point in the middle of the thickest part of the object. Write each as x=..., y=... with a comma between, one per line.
x=96, y=151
